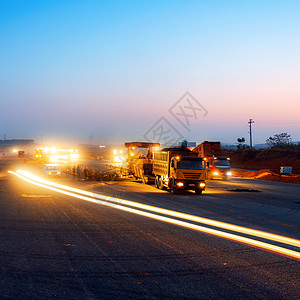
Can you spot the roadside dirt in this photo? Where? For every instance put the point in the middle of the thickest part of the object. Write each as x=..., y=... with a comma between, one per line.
x=266, y=174
x=265, y=168
x=273, y=164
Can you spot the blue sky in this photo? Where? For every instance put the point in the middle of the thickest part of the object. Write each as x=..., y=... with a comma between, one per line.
x=71, y=69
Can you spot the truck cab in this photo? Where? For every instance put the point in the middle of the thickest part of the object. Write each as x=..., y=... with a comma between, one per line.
x=187, y=173
x=218, y=167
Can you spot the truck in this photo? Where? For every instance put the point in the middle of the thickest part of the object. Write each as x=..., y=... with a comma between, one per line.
x=140, y=160
x=218, y=166
x=208, y=149
x=21, y=153
x=178, y=168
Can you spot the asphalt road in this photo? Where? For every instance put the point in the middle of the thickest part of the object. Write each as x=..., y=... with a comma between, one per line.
x=57, y=246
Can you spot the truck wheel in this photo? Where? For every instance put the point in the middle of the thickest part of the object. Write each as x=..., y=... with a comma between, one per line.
x=160, y=184
x=172, y=187
x=156, y=182
x=198, y=191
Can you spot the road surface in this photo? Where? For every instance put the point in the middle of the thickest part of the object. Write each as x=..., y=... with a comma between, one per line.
x=57, y=246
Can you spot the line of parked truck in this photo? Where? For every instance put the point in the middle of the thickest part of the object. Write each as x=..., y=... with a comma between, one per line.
x=178, y=168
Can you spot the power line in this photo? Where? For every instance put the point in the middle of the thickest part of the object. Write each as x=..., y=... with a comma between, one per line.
x=277, y=122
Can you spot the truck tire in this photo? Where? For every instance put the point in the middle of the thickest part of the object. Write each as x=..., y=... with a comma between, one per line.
x=156, y=182
x=198, y=191
x=160, y=184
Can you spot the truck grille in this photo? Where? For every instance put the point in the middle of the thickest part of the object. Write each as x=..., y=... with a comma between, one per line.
x=191, y=176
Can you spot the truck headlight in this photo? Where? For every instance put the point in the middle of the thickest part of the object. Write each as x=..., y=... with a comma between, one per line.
x=216, y=173
x=228, y=173
x=202, y=185
x=180, y=184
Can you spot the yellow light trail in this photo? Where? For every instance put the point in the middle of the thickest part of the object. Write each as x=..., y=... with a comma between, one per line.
x=254, y=243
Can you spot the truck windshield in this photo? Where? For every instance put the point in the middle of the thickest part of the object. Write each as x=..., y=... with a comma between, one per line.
x=222, y=162
x=51, y=168
x=191, y=164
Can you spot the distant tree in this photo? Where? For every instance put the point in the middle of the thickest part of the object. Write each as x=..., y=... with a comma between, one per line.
x=241, y=141
x=280, y=140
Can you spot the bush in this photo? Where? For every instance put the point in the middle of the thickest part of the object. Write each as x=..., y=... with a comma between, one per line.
x=277, y=153
x=281, y=140
x=249, y=153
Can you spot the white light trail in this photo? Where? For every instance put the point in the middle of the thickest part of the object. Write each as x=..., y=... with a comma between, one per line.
x=89, y=196
x=236, y=228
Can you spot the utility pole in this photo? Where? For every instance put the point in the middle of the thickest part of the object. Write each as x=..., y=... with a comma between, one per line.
x=250, y=126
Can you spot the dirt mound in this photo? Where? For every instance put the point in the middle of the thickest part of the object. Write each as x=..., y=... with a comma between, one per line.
x=269, y=175
x=253, y=159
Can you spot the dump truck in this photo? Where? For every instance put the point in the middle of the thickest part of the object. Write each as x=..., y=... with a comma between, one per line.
x=218, y=166
x=178, y=168
x=208, y=149
x=140, y=160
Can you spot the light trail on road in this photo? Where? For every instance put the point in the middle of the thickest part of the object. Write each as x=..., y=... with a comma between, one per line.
x=119, y=204
x=236, y=228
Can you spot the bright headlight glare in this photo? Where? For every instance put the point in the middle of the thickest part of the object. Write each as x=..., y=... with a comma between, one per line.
x=202, y=184
x=215, y=173
x=180, y=184
x=228, y=173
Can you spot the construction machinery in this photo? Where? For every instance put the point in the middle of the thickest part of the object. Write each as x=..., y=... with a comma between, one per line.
x=140, y=160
